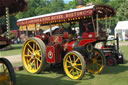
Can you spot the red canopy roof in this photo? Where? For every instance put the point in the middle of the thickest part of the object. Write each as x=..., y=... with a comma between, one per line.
x=69, y=15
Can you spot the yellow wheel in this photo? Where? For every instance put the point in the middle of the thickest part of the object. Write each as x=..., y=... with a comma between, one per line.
x=74, y=65
x=34, y=55
x=96, y=63
x=7, y=74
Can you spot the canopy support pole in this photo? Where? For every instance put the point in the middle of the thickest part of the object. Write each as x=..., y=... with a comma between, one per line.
x=35, y=29
x=93, y=25
x=7, y=22
x=50, y=29
x=26, y=31
x=106, y=23
x=97, y=24
x=110, y=23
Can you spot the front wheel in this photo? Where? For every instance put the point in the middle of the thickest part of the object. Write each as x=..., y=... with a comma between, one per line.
x=74, y=65
x=96, y=63
x=7, y=74
x=34, y=55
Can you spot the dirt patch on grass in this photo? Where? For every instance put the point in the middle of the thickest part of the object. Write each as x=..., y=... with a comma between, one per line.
x=123, y=43
x=14, y=58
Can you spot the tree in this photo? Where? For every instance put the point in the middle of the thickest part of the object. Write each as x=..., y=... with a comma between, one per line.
x=56, y=5
x=13, y=25
x=70, y=5
x=39, y=7
x=122, y=12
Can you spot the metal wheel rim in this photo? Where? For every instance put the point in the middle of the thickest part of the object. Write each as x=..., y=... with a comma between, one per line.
x=4, y=75
x=73, y=66
x=110, y=62
x=32, y=56
x=96, y=64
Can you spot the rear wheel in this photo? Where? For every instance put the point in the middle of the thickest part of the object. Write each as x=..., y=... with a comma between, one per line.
x=111, y=61
x=74, y=65
x=34, y=55
x=7, y=74
x=96, y=63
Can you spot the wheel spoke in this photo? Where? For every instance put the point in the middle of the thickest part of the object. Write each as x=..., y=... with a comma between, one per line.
x=92, y=67
x=69, y=66
x=29, y=60
x=30, y=46
x=27, y=55
x=73, y=73
x=98, y=64
x=5, y=68
x=99, y=61
x=29, y=51
x=38, y=59
x=31, y=63
x=39, y=51
x=78, y=64
x=69, y=62
x=97, y=67
x=70, y=59
x=35, y=64
x=71, y=70
x=77, y=72
x=77, y=68
x=76, y=60
x=34, y=46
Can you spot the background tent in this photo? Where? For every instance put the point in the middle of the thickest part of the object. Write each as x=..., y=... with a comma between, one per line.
x=122, y=30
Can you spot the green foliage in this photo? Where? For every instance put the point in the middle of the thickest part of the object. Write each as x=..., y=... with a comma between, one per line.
x=93, y=1
x=13, y=25
x=70, y=5
x=39, y=7
x=122, y=11
x=13, y=20
x=56, y=5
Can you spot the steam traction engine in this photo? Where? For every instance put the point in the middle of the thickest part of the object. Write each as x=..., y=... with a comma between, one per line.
x=64, y=45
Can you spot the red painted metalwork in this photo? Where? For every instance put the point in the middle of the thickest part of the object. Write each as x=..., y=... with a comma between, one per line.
x=110, y=62
x=88, y=35
x=4, y=41
x=56, y=38
x=69, y=46
x=66, y=35
x=50, y=54
x=38, y=36
x=85, y=41
x=58, y=53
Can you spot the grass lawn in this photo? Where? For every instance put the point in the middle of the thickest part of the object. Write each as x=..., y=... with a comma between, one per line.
x=117, y=75
x=16, y=49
